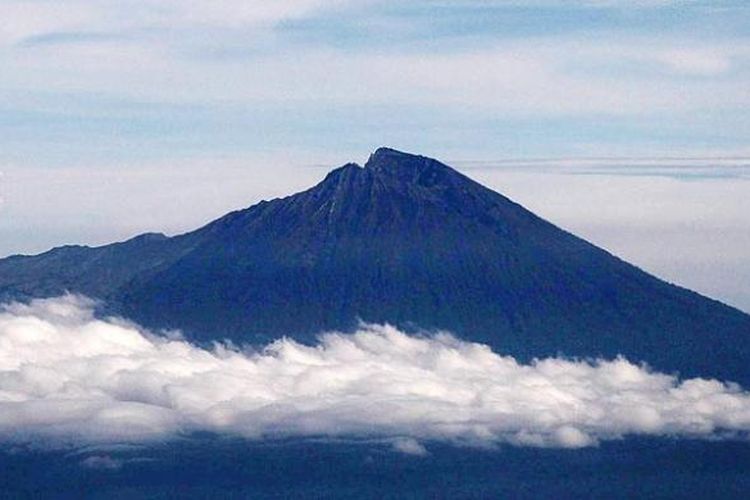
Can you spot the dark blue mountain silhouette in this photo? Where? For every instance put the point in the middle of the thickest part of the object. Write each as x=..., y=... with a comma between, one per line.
x=405, y=240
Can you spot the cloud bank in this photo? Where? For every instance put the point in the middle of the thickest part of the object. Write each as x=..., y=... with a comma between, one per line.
x=69, y=378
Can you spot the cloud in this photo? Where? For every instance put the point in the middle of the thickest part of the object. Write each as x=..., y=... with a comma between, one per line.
x=696, y=61
x=44, y=17
x=200, y=52
x=562, y=76
x=409, y=446
x=66, y=377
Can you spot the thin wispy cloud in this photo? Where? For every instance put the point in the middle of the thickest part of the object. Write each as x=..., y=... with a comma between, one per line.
x=67, y=378
x=47, y=17
x=534, y=79
x=305, y=60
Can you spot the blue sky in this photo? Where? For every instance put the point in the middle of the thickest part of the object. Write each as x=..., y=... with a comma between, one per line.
x=104, y=81
x=124, y=116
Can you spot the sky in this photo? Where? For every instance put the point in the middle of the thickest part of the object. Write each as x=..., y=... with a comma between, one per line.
x=623, y=121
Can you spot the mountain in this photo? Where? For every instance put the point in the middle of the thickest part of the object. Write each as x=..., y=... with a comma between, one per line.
x=406, y=240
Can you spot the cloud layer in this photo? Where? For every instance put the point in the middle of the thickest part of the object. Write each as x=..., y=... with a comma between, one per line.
x=66, y=377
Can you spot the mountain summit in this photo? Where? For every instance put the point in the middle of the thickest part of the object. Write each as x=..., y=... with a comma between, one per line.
x=405, y=240
x=396, y=162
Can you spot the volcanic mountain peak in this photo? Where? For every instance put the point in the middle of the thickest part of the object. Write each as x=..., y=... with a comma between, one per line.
x=387, y=162
x=395, y=180
x=405, y=240
x=405, y=167
x=383, y=158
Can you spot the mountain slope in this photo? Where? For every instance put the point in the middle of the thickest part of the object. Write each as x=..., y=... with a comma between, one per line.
x=409, y=241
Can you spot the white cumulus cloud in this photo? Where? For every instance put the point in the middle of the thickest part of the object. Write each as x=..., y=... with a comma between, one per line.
x=67, y=377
